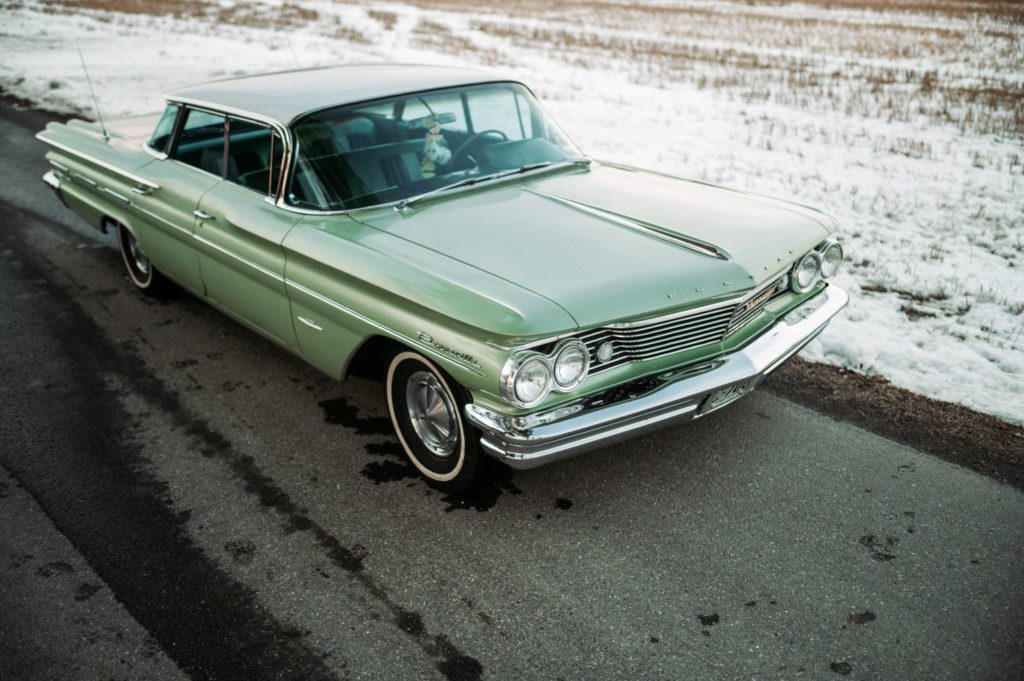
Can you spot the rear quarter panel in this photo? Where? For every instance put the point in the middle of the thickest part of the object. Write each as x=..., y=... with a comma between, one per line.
x=97, y=175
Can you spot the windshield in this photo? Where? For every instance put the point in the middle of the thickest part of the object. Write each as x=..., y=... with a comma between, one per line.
x=393, y=149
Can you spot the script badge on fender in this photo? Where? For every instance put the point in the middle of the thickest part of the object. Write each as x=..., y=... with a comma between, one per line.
x=758, y=299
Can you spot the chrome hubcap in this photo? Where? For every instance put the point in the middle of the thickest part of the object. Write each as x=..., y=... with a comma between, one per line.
x=432, y=413
x=139, y=257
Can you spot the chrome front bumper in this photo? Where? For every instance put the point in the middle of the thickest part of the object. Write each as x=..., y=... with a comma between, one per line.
x=669, y=398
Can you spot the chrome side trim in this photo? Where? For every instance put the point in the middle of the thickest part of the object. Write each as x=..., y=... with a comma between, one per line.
x=310, y=323
x=120, y=197
x=124, y=199
x=75, y=175
x=95, y=161
x=161, y=219
x=391, y=332
x=245, y=261
x=670, y=397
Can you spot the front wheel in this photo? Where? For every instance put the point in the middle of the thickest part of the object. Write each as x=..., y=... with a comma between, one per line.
x=426, y=412
x=143, y=275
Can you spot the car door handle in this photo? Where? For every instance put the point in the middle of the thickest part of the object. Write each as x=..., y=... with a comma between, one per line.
x=142, y=190
x=203, y=215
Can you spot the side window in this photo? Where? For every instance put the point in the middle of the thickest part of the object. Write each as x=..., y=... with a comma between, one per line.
x=502, y=110
x=164, y=128
x=254, y=156
x=201, y=142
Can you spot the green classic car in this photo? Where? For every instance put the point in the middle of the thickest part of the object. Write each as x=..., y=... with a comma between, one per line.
x=435, y=227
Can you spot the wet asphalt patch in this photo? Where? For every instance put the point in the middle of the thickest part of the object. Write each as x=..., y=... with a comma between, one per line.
x=91, y=484
x=862, y=617
x=841, y=668
x=390, y=464
x=119, y=515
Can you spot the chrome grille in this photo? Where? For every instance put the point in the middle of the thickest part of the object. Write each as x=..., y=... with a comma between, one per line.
x=640, y=341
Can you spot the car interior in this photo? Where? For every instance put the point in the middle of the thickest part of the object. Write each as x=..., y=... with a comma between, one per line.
x=352, y=157
x=356, y=156
x=254, y=151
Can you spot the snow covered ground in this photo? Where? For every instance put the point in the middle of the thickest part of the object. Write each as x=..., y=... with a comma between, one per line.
x=907, y=125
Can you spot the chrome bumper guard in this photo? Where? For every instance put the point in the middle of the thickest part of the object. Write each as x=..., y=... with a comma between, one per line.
x=671, y=397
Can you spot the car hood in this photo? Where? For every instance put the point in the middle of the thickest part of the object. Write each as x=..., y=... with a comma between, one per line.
x=608, y=243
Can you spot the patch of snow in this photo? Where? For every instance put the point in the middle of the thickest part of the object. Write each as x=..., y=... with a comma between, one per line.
x=927, y=183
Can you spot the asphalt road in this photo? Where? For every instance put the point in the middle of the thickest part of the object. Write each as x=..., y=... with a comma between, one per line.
x=180, y=498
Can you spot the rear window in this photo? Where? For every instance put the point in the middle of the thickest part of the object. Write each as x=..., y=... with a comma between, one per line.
x=254, y=156
x=201, y=142
x=164, y=128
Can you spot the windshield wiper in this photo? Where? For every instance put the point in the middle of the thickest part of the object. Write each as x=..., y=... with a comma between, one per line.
x=468, y=181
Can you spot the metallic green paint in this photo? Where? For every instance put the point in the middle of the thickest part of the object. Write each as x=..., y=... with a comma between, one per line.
x=597, y=270
x=464, y=277
x=241, y=257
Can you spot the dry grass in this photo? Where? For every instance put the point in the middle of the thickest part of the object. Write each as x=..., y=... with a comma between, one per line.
x=386, y=19
x=1007, y=9
x=432, y=35
x=342, y=31
x=955, y=62
x=184, y=8
x=852, y=67
x=285, y=16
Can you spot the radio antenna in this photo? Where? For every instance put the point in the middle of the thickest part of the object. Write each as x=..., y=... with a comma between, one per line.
x=95, y=103
x=290, y=49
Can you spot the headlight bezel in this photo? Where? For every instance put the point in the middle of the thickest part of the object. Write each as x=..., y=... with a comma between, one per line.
x=547, y=376
x=556, y=356
x=794, y=278
x=831, y=244
x=510, y=373
x=515, y=364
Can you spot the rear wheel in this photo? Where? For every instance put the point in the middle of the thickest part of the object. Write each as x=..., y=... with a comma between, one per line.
x=143, y=275
x=426, y=411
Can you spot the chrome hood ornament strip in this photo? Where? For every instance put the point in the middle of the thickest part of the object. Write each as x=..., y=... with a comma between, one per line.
x=690, y=243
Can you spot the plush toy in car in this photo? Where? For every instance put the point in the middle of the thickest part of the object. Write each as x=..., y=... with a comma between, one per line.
x=435, y=149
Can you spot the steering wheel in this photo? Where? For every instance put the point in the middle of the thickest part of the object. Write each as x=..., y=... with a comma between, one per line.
x=468, y=143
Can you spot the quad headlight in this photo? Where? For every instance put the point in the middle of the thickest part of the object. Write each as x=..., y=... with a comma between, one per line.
x=831, y=259
x=572, y=359
x=806, y=273
x=821, y=263
x=533, y=381
x=528, y=377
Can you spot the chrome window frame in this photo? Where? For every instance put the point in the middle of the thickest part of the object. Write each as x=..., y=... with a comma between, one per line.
x=271, y=198
x=177, y=132
x=171, y=137
x=284, y=132
x=287, y=173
